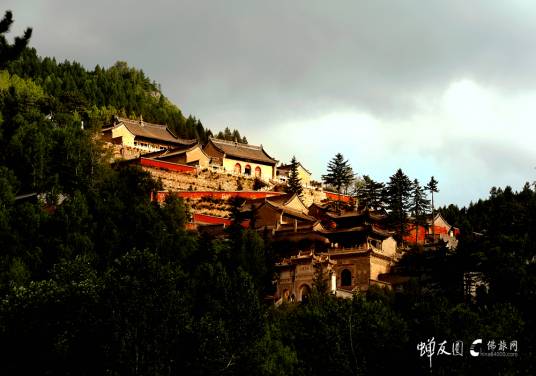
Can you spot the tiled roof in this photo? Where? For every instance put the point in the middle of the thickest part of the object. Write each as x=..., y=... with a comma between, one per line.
x=243, y=151
x=291, y=212
x=158, y=132
x=288, y=166
x=176, y=150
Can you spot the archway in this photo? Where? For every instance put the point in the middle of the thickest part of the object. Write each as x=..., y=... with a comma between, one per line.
x=247, y=170
x=305, y=291
x=237, y=169
x=346, y=278
x=258, y=172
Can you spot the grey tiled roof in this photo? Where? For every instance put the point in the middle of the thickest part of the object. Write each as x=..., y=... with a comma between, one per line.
x=243, y=151
x=158, y=132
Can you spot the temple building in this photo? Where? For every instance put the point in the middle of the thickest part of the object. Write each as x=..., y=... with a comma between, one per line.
x=240, y=159
x=353, y=249
x=438, y=228
x=283, y=173
x=297, y=274
x=133, y=138
x=279, y=212
x=192, y=155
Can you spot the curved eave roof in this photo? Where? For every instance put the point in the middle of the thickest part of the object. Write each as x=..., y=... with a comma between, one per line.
x=243, y=151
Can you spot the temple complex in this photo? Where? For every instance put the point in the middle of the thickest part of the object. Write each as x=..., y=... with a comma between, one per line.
x=352, y=249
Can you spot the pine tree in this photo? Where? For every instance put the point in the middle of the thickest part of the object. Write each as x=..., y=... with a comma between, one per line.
x=370, y=194
x=419, y=206
x=294, y=185
x=340, y=173
x=398, y=201
x=8, y=51
x=432, y=188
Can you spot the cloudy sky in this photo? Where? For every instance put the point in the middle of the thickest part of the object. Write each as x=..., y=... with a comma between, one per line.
x=443, y=88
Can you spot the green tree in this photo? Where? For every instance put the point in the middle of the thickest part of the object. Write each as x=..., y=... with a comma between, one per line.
x=8, y=51
x=294, y=185
x=339, y=174
x=370, y=193
x=398, y=201
x=432, y=188
x=418, y=207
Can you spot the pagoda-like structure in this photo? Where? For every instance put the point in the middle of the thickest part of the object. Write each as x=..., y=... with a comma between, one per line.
x=350, y=249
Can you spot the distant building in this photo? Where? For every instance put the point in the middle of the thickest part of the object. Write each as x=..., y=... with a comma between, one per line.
x=278, y=213
x=240, y=159
x=439, y=228
x=192, y=155
x=132, y=138
x=283, y=173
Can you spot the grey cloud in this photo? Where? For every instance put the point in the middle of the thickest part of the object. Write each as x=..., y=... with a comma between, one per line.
x=366, y=55
x=251, y=64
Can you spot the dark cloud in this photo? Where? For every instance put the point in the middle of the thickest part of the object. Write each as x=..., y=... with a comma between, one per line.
x=256, y=64
x=368, y=55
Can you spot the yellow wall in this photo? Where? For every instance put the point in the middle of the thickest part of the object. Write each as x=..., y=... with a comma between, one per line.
x=197, y=154
x=122, y=131
x=378, y=266
x=304, y=176
x=128, y=139
x=266, y=170
x=389, y=246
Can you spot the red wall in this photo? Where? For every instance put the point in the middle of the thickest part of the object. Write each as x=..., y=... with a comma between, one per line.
x=167, y=165
x=410, y=238
x=204, y=218
x=220, y=195
x=336, y=197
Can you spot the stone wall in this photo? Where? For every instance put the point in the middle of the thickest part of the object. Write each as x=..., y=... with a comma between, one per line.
x=202, y=181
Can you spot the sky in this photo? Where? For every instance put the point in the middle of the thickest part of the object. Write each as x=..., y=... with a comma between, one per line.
x=442, y=88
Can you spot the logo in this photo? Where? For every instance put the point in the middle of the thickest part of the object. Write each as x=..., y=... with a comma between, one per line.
x=473, y=346
x=479, y=348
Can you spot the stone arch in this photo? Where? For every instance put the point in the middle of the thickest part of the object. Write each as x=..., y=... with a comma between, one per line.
x=305, y=291
x=237, y=168
x=346, y=278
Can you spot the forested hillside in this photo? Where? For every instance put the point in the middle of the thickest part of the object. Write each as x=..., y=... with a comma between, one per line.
x=97, y=279
x=95, y=95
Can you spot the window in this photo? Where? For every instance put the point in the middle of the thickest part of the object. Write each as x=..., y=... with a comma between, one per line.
x=237, y=168
x=247, y=170
x=346, y=278
x=258, y=172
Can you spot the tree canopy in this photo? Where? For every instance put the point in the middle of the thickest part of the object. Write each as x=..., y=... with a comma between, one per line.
x=9, y=51
x=399, y=190
x=339, y=173
x=294, y=184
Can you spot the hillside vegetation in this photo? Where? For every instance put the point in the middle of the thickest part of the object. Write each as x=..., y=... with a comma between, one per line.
x=97, y=279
